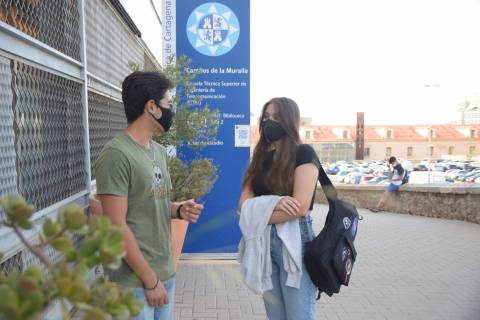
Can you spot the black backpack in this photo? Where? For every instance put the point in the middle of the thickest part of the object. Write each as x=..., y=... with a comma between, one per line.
x=330, y=256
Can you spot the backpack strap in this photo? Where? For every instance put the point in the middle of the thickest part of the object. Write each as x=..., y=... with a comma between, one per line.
x=327, y=185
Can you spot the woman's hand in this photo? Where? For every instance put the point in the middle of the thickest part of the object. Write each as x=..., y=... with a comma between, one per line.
x=289, y=205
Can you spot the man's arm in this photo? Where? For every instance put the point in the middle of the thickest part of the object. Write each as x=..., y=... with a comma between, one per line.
x=115, y=208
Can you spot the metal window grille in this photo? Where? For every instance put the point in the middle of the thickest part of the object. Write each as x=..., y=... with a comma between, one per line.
x=111, y=47
x=42, y=147
x=53, y=22
x=106, y=119
x=48, y=130
x=12, y=264
x=8, y=172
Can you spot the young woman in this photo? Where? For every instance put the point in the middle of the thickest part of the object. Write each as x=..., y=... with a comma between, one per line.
x=281, y=165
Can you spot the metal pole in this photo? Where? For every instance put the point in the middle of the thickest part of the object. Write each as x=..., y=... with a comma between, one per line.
x=429, y=152
x=86, y=134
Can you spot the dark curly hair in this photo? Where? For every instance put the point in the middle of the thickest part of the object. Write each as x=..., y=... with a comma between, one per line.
x=139, y=87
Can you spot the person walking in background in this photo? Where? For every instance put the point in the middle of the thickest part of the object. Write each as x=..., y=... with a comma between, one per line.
x=134, y=187
x=399, y=177
x=281, y=178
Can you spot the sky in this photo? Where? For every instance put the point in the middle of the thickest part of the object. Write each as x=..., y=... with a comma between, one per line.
x=399, y=61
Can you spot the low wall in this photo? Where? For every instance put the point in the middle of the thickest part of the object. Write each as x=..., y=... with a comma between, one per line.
x=448, y=202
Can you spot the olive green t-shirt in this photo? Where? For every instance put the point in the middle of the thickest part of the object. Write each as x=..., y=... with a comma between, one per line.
x=126, y=168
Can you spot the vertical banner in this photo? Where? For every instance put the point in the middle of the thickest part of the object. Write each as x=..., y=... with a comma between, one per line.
x=216, y=37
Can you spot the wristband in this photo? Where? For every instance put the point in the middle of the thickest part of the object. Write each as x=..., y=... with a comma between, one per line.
x=178, y=212
x=154, y=287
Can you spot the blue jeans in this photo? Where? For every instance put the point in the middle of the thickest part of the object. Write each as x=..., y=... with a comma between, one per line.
x=284, y=302
x=164, y=312
x=393, y=188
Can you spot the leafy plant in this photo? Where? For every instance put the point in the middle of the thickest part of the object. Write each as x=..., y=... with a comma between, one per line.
x=24, y=295
x=194, y=125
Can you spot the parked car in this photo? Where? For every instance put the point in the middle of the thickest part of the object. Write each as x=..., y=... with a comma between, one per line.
x=420, y=167
x=465, y=176
x=473, y=177
x=377, y=180
x=353, y=178
x=332, y=170
x=341, y=175
x=438, y=168
x=454, y=173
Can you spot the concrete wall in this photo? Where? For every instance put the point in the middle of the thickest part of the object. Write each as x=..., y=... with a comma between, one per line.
x=455, y=202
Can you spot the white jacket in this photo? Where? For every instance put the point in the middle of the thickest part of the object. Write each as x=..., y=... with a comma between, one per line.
x=254, y=247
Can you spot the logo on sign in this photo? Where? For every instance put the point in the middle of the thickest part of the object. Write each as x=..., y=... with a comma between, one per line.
x=213, y=29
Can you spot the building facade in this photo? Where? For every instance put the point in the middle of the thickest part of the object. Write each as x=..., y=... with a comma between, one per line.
x=61, y=67
x=409, y=142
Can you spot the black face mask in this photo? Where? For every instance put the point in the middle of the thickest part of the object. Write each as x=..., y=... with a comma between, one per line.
x=272, y=130
x=166, y=119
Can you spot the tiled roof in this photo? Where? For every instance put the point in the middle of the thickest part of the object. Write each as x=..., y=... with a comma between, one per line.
x=374, y=133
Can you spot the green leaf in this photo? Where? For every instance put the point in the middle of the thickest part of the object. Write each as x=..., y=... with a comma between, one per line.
x=35, y=273
x=64, y=286
x=89, y=246
x=25, y=224
x=50, y=228
x=21, y=213
x=32, y=304
x=74, y=218
x=79, y=293
x=120, y=312
x=63, y=244
x=93, y=261
x=71, y=256
x=12, y=201
x=97, y=314
x=9, y=297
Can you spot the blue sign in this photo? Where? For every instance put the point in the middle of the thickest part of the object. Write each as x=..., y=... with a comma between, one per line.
x=216, y=37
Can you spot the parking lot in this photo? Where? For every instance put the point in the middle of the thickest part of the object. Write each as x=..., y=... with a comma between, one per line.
x=377, y=172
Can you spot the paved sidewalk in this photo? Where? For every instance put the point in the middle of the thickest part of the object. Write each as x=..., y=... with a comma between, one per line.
x=408, y=267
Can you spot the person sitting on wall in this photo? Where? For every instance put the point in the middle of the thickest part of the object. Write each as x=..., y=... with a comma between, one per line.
x=399, y=177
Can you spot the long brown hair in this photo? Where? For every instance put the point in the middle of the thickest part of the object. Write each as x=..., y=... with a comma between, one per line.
x=279, y=178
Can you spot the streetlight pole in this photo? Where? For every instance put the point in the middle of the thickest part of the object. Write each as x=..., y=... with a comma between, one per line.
x=430, y=137
x=429, y=151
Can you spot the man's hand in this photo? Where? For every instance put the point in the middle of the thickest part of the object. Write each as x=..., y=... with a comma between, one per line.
x=157, y=297
x=190, y=211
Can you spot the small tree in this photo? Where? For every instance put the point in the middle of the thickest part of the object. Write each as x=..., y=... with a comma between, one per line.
x=193, y=125
x=24, y=295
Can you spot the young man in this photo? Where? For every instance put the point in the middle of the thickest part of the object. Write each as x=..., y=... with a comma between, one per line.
x=134, y=187
x=395, y=183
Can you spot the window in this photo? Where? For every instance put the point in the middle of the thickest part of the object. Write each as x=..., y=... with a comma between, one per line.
x=472, y=133
x=307, y=135
x=345, y=134
x=471, y=150
x=366, y=152
x=388, y=152
x=389, y=134
x=409, y=151
x=432, y=149
x=451, y=150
